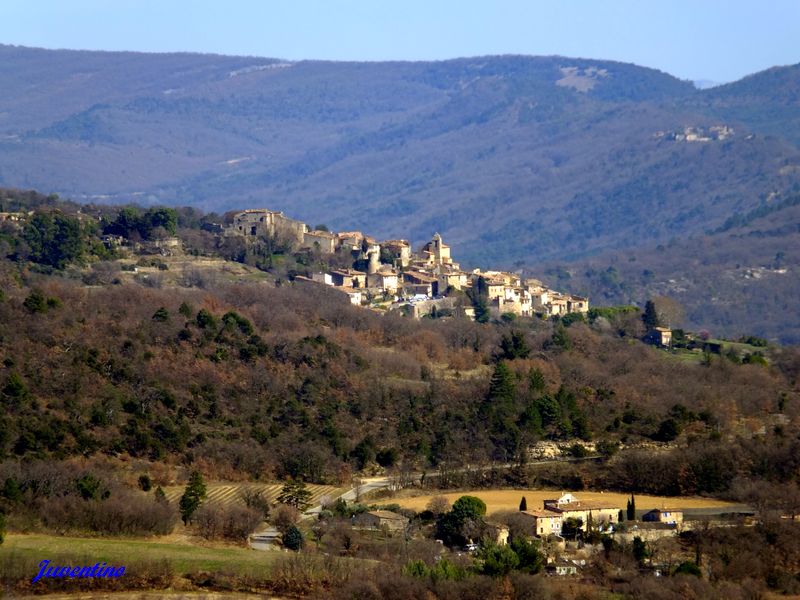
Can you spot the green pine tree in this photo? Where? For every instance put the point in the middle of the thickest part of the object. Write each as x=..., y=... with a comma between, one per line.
x=193, y=496
x=501, y=386
x=293, y=538
x=294, y=493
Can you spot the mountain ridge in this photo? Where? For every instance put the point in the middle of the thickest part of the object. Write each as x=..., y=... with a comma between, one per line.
x=517, y=161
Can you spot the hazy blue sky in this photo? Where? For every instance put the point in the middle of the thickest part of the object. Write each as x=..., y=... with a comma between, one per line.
x=720, y=40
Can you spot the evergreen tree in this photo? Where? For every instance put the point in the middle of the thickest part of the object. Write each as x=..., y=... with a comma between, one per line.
x=531, y=558
x=481, y=310
x=293, y=538
x=11, y=490
x=560, y=339
x=631, y=516
x=498, y=561
x=54, y=240
x=536, y=381
x=501, y=386
x=514, y=346
x=650, y=316
x=294, y=493
x=193, y=496
x=640, y=550
x=523, y=504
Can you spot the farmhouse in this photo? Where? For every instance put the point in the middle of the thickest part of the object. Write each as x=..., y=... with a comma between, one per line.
x=381, y=519
x=569, y=507
x=545, y=522
x=659, y=336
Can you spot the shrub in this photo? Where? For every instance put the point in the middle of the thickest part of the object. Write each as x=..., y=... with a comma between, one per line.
x=255, y=499
x=145, y=483
x=124, y=514
x=36, y=302
x=205, y=320
x=688, y=568
x=233, y=522
x=284, y=517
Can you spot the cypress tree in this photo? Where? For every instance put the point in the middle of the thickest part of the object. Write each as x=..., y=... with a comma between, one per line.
x=632, y=509
x=523, y=504
x=650, y=316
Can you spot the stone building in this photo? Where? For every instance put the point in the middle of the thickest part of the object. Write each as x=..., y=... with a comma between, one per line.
x=381, y=519
x=599, y=511
x=545, y=522
x=349, y=278
x=257, y=222
x=324, y=241
x=399, y=251
x=436, y=253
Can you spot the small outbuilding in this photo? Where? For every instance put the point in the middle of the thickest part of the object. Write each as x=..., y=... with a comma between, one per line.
x=668, y=516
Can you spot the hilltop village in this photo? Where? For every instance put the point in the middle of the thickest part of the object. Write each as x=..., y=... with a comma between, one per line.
x=388, y=275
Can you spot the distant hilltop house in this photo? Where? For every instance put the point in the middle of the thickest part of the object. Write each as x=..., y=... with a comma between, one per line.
x=13, y=217
x=429, y=282
x=715, y=133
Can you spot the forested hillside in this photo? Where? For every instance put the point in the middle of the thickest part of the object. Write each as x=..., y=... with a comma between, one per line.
x=556, y=157
x=740, y=277
x=263, y=377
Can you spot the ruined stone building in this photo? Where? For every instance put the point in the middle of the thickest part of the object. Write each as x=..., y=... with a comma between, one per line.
x=253, y=223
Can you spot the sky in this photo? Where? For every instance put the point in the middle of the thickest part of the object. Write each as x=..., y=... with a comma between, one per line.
x=717, y=40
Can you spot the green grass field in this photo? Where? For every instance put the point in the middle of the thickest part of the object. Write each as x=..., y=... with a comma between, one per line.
x=184, y=557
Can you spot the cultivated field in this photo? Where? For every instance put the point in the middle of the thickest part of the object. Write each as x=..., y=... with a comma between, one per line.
x=499, y=500
x=229, y=493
